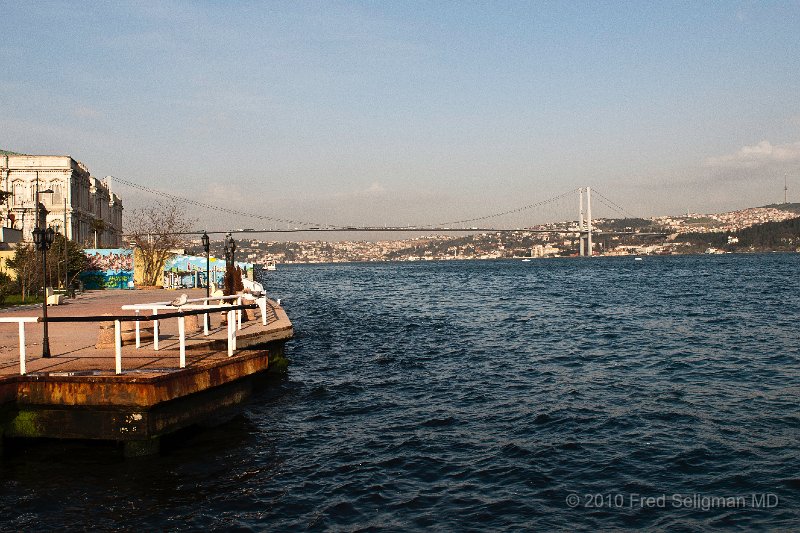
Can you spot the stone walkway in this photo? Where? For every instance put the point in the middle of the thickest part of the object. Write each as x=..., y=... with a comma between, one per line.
x=72, y=345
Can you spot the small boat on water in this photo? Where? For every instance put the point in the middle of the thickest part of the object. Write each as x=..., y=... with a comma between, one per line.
x=526, y=260
x=270, y=265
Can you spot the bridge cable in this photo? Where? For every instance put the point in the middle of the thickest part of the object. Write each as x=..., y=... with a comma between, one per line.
x=214, y=207
x=495, y=215
x=613, y=205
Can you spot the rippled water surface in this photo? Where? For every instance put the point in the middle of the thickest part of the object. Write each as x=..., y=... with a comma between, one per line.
x=481, y=395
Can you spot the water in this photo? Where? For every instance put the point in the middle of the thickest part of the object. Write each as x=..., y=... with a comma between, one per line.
x=481, y=395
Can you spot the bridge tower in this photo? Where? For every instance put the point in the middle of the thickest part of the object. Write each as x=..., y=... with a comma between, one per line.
x=585, y=224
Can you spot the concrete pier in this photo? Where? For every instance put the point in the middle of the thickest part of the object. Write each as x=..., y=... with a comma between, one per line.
x=76, y=394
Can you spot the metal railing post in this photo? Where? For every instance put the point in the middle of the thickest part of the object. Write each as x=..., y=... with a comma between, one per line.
x=22, y=348
x=206, y=320
x=262, y=303
x=155, y=331
x=182, y=337
x=118, y=345
x=138, y=337
x=231, y=326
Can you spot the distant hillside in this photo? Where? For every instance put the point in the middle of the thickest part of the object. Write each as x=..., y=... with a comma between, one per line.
x=784, y=235
x=6, y=152
x=792, y=207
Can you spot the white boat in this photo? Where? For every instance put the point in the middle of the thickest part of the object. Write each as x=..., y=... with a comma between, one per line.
x=270, y=265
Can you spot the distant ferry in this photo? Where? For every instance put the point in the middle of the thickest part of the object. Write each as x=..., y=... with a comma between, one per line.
x=270, y=265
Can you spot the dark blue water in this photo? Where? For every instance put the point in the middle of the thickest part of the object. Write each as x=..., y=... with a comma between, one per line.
x=483, y=395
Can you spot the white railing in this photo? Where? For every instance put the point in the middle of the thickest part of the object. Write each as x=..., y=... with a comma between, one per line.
x=234, y=323
x=21, y=320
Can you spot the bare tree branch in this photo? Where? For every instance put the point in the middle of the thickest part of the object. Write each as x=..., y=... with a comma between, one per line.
x=156, y=232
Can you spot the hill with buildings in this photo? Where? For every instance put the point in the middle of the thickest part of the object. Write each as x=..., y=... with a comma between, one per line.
x=772, y=227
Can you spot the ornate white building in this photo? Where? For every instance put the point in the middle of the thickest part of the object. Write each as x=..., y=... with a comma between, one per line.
x=91, y=209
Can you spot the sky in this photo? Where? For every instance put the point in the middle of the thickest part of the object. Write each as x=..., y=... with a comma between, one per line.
x=371, y=113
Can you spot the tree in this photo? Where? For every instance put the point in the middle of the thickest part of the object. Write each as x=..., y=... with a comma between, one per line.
x=28, y=268
x=6, y=287
x=75, y=261
x=156, y=232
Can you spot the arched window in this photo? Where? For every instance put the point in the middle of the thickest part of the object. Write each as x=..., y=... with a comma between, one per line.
x=17, y=191
x=57, y=196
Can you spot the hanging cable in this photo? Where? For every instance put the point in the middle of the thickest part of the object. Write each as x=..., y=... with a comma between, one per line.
x=613, y=205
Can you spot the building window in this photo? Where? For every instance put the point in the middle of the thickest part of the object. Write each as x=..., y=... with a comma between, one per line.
x=17, y=192
x=57, y=198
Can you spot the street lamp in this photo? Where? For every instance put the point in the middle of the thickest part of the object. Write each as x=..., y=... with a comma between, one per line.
x=66, y=255
x=230, y=249
x=230, y=256
x=44, y=239
x=206, y=247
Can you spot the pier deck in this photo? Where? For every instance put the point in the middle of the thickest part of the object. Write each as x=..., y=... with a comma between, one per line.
x=77, y=394
x=73, y=344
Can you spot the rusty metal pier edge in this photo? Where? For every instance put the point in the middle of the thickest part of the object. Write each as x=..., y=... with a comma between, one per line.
x=136, y=410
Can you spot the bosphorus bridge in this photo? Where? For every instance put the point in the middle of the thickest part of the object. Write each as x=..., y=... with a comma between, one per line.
x=558, y=209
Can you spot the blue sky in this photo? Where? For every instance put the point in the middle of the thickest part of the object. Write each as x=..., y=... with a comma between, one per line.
x=412, y=112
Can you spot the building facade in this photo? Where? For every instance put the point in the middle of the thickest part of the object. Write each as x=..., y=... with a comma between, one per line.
x=80, y=205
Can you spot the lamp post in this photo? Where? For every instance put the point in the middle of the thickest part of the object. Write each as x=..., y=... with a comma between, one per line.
x=230, y=256
x=44, y=239
x=206, y=247
x=230, y=248
x=66, y=255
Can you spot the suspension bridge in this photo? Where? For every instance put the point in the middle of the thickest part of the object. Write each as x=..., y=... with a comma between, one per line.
x=583, y=227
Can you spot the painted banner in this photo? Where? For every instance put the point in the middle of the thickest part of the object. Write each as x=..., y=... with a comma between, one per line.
x=108, y=268
x=186, y=271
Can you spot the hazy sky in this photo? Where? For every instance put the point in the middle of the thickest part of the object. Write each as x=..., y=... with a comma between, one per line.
x=411, y=112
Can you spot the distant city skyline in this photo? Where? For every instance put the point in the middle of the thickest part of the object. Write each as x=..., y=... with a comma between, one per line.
x=413, y=112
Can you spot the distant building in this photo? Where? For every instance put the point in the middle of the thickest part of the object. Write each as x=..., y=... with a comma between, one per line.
x=92, y=210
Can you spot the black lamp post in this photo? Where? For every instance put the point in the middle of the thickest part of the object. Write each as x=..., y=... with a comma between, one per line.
x=230, y=249
x=230, y=255
x=206, y=246
x=44, y=239
x=66, y=248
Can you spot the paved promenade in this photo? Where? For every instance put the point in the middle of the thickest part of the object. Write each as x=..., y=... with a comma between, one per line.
x=72, y=345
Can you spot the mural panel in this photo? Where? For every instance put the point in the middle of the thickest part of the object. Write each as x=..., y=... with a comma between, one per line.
x=108, y=268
